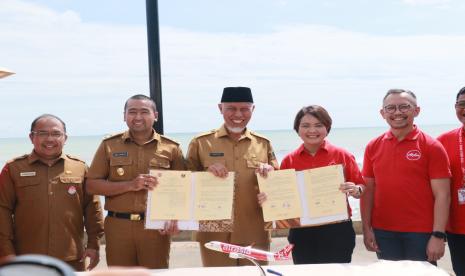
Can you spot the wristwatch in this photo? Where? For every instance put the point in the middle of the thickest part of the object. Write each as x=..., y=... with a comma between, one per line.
x=439, y=235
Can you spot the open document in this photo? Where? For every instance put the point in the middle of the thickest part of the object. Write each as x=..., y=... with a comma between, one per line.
x=283, y=201
x=197, y=200
x=318, y=195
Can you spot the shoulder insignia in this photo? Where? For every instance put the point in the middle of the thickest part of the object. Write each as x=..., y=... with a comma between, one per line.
x=205, y=133
x=75, y=158
x=110, y=136
x=259, y=135
x=169, y=139
x=24, y=156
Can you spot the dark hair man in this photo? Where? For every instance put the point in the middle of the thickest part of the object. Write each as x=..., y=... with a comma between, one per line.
x=120, y=172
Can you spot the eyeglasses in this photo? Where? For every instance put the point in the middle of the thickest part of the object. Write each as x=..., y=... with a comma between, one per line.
x=460, y=104
x=45, y=134
x=401, y=107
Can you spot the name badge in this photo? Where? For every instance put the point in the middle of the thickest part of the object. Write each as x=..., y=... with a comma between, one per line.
x=27, y=174
x=120, y=154
x=216, y=154
x=461, y=194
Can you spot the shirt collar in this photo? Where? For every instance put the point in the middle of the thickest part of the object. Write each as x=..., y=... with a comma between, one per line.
x=33, y=157
x=222, y=132
x=413, y=135
x=324, y=146
x=127, y=137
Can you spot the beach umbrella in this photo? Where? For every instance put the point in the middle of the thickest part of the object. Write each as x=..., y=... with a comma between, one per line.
x=5, y=72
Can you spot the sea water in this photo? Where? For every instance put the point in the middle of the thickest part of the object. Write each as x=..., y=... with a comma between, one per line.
x=283, y=141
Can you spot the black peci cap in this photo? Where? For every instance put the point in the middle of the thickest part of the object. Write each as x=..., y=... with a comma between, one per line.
x=237, y=94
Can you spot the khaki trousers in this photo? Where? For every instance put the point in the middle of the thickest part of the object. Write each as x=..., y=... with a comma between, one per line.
x=130, y=244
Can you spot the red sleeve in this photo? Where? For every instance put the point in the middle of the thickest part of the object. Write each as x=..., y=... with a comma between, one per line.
x=285, y=164
x=367, y=170
x=438, y=166
x=352, y=172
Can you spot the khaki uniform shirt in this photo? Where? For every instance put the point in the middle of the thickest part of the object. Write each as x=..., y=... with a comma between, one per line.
x=241, y=157
x=119, y=158
x=43, y=209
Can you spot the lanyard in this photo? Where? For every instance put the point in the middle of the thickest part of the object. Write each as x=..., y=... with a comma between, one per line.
x=462, y=161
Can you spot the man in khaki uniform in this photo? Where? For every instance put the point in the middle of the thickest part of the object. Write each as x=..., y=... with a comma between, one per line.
x=43, y=203
x=234, y=148
x=119, y=171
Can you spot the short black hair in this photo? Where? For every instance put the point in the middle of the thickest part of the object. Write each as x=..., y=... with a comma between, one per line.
x=316, y=111
x=43, y=116
x=141, y=97
x=461, y=92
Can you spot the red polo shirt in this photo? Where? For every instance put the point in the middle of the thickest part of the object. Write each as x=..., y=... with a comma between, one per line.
x=403, y=199
x=326, y=155
x=450, y=141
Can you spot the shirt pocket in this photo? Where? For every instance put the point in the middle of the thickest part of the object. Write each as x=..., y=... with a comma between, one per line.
x=120, y=169
x=28, y=189
x=160, y=162
x=210, y=161
x=70, y=185
x=254, y=161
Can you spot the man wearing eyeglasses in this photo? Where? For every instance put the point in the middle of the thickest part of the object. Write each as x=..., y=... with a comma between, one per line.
x=43, y=204
x=406, y=201
x=454, y=145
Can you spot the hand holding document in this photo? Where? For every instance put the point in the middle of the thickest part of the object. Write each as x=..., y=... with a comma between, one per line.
x=199, y=201
x=316, y=191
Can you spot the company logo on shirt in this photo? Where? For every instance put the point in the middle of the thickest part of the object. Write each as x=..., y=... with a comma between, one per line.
x=413, y=155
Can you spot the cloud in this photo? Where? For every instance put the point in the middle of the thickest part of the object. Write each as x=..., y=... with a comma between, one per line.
x=84, y=71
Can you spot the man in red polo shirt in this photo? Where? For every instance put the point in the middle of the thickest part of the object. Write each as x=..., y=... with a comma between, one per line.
x=406, y=203
x=453, y=143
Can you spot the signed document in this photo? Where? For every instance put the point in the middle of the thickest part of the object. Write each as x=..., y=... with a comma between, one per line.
x=283, y=201
x=213, y=196
x=171, y=199
x=197, y=200
x=322, y=191
x=321, y=200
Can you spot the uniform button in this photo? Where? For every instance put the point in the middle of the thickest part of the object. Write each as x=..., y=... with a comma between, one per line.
x=51, y=193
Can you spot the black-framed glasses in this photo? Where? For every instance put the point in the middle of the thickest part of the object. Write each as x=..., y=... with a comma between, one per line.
x=45, y=134
x=401, y=107
x=460, y=104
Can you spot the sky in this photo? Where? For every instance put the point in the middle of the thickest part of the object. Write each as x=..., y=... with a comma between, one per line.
x=80, y=60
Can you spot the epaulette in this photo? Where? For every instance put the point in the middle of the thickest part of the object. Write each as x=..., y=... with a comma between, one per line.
x=169, y=139
x=110, y=136
x=259, y=135
x=75, y=158
x=205, y=133
x=18, y=158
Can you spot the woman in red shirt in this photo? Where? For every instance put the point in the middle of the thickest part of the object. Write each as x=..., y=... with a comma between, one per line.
x=330, y=243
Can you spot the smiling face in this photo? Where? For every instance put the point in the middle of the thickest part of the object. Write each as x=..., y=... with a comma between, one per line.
x=140, y=116
x=312, y=132
x=236, y=115
x=399, y=111
x=48, y=138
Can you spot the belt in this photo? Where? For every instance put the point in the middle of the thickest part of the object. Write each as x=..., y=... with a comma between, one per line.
x=136, y=216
